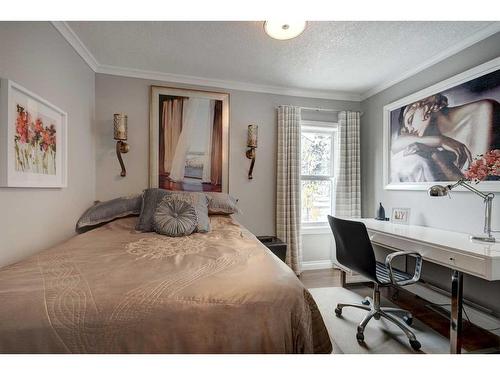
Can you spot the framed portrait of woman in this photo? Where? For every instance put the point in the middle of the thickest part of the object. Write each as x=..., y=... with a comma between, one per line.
x=431, y=137
x=189, y=140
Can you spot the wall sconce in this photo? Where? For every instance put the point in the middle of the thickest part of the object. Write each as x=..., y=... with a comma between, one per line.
x=253, y=131
x=120, y=134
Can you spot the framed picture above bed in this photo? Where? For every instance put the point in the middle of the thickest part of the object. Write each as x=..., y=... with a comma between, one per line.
x=188, y=140
x=33, y=139
x=431, y=137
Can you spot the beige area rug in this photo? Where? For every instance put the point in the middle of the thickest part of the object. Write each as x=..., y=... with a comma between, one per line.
x=381, y=336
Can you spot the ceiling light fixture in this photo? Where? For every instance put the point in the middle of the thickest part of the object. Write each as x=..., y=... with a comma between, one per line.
x=284, y=30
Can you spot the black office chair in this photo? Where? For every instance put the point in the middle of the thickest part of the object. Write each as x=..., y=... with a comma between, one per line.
x=354, y=251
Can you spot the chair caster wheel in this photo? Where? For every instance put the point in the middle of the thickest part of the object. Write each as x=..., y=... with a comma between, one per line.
x=338, y=311
x=408, y=319
x=360, y=337
x=415, y=344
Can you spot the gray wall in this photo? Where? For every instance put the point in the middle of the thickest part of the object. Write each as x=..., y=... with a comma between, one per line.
x=257, y=196
x=35, y=55
x=464, y=212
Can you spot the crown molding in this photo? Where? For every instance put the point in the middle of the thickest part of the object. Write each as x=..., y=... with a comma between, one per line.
x=232, y=85
x=75, y=42
x=467, y=42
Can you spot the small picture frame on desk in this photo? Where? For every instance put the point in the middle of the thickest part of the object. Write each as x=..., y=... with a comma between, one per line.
x=400, y=216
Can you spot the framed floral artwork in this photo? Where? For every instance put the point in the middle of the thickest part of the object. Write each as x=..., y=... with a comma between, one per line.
x=434, y=136
x=33, y=139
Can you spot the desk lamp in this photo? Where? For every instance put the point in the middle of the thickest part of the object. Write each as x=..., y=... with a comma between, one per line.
x=442, y=191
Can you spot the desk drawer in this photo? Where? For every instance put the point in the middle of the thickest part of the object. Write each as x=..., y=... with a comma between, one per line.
x=459, y=261
x=448, y=258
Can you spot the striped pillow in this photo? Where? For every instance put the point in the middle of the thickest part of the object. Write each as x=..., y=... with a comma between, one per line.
x=152, y=197
x=174, y=217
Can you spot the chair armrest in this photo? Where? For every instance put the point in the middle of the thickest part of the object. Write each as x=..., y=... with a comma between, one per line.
x=418, y=266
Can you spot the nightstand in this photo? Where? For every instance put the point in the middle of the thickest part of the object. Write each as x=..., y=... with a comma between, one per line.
x=274, y=244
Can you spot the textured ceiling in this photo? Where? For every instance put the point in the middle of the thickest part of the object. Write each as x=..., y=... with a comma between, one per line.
x=351, y=57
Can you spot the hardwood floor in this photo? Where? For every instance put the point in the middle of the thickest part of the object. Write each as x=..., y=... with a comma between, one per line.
x=476, y=339
x=321, y=278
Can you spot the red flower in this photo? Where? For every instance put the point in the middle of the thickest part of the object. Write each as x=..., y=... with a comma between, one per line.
x=484, y=166
x=38, y=126
x=22, y=124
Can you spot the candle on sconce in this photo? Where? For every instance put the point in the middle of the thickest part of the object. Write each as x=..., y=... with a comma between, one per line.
x=253, y=131
x=120, y=126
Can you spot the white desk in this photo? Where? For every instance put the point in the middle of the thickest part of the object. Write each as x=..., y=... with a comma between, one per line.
x=453, y=250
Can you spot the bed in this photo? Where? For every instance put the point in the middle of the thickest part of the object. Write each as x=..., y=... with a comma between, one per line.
x=115, y=290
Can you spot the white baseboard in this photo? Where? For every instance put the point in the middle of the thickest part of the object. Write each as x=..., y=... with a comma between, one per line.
x=317, y=265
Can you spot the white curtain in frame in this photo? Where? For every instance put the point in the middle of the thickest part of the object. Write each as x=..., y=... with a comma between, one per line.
x=194, y=110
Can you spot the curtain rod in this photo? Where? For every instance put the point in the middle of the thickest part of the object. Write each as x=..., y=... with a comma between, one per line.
x=318, y=109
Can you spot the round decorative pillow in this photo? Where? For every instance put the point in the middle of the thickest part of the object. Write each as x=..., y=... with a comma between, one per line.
x=174, y=218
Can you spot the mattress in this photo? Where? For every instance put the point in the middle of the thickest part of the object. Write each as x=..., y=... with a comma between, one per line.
x=115, y=290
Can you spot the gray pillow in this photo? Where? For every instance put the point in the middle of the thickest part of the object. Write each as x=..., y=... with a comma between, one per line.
x=153, y=196
x=222, y=204
x=174, y=217
x=104, y=212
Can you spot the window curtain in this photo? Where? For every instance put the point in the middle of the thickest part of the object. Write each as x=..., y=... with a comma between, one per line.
x=288, y=184
x=170, y=130
x=216, y=151
x=348, y=186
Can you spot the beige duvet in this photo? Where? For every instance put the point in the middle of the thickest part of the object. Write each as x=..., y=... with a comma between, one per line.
x=114, y=290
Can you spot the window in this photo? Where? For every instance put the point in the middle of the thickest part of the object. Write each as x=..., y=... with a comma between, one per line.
x=318, y=145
